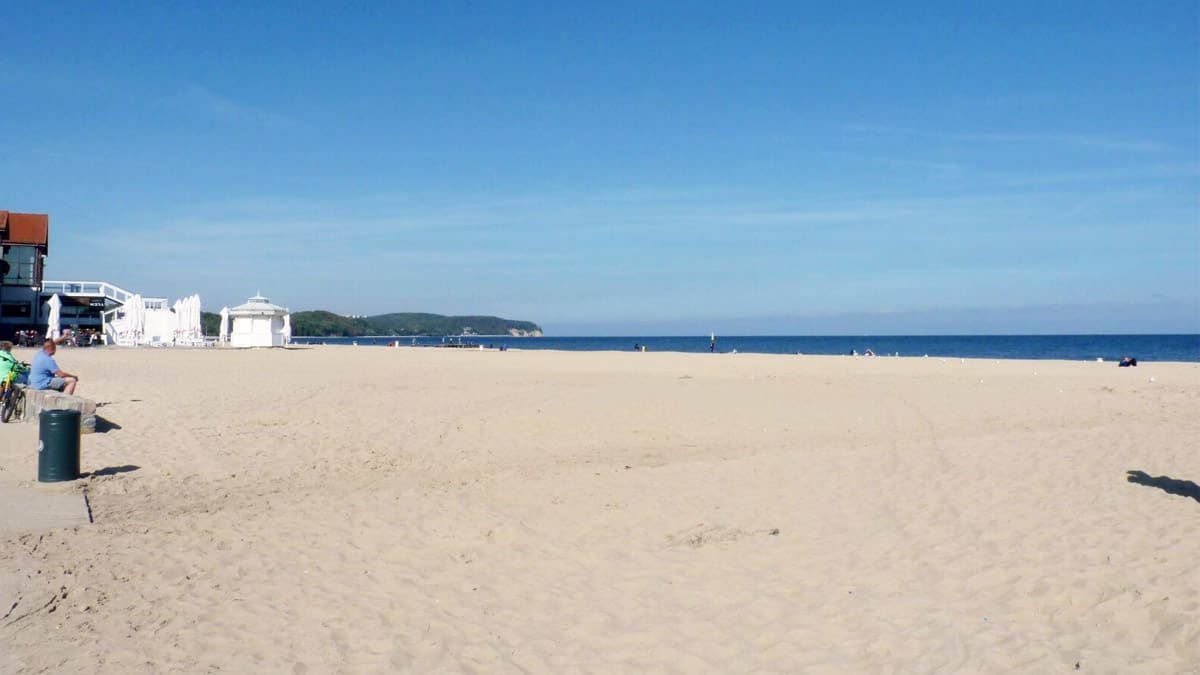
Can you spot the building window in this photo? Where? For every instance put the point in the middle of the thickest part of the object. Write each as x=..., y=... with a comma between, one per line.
x=18, y=265
x=18, y=310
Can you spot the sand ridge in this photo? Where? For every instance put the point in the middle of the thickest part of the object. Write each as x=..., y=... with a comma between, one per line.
x=340, y=509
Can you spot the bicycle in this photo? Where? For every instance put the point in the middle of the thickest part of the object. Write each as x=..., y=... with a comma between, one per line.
x=12, y=398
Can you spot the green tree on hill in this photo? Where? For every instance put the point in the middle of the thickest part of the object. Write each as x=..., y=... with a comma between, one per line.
x=319, y=323
x=327, y=324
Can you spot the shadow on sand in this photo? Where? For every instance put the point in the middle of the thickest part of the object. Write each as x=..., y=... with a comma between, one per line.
x=110, y=471
x=1183, y=488
x=104, y=426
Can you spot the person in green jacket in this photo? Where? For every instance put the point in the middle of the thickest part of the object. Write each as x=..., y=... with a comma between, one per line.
x=10, y=364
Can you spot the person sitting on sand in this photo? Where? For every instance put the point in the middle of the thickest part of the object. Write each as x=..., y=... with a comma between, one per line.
x=1127, y=361
x=45, y=373
x=10, y=364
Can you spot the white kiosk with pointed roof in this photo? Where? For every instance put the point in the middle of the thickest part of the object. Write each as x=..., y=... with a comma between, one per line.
x=258, y=323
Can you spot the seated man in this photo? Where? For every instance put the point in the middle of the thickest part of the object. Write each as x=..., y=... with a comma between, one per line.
x=45, y=373
x=10, y=364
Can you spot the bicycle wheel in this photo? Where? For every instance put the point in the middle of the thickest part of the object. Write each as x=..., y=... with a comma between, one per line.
x=8, y=406
x=19, y=404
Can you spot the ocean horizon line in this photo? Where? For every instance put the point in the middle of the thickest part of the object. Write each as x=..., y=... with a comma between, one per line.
x=756, y=335
x=1182, y=347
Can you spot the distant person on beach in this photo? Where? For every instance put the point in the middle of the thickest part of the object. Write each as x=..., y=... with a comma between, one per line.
x=10, y=364
x=637, y=347
x=868, y=352
x=1127, y=361
x=45, y=373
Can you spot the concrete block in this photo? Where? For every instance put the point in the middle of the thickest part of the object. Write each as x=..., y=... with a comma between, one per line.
x=37, y=400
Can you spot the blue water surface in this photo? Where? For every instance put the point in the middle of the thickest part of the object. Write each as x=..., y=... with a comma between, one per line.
x=1065, y=347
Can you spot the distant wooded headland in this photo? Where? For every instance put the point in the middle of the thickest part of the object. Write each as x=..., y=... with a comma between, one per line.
x=327, y=324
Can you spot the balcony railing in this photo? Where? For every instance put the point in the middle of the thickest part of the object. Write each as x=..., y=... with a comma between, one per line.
x=88, y=288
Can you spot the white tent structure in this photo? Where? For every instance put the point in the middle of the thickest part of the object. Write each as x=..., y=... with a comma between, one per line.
x=191, y=322
x=149, y=321
x=224, y=335
x=128, y=323
x=158, y=323
x=188, y=331
x=177, y=329
x=197, y=326
x=52, y=324
x=258, y=323
x=134, y=320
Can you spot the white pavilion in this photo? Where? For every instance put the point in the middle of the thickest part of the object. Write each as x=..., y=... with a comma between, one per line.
x=258, y=323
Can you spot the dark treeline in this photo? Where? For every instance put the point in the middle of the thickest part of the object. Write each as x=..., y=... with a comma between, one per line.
x=327, y=324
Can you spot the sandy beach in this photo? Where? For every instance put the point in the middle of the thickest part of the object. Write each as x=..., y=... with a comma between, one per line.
x=374, y=510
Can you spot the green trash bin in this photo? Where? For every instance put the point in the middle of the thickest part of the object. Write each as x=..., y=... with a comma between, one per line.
x=58, y=446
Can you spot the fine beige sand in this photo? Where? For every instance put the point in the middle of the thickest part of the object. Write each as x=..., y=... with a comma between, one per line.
x=374, y=510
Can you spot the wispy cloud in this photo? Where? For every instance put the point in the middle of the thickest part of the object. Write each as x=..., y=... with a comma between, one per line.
x=230, y=111
x=898, y=161
x=1076, y=140
x=1102, y=176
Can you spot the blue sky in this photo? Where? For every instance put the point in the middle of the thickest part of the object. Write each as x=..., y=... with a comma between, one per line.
x=618, y=168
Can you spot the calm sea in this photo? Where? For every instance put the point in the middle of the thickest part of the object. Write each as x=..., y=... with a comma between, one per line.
x=1066, y=347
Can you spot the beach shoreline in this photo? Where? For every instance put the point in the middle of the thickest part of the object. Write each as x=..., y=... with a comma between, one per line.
x=1110, y=347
